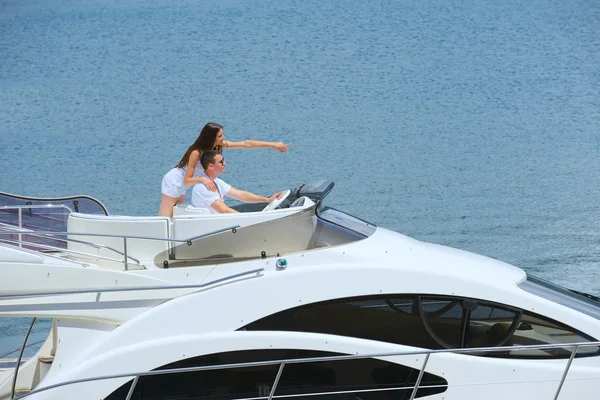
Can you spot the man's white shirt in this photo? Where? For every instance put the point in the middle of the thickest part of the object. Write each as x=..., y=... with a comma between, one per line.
x=203, y=198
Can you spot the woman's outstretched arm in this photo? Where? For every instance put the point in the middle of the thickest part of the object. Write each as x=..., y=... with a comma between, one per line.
x=257, y=144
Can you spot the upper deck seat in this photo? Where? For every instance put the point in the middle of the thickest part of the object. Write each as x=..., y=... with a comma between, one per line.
x=141, y=249
x=182, y=209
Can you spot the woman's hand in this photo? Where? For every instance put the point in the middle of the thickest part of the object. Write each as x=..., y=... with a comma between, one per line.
x=210, y=185
x=281, y=147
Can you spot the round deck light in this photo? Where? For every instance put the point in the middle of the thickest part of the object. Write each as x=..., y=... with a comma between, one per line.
x=281, y=263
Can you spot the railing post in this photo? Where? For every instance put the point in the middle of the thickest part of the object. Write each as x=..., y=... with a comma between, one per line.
x=421, y=373
x=132, y=388
x=276, y=381
x=14, y=384
x=562, y=381
x=125, y=251
x=20, y=213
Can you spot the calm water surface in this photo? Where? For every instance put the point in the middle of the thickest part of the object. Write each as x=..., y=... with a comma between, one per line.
x=473, y=124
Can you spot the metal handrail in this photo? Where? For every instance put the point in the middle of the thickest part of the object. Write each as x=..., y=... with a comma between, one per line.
x=37, y=206
x=98, y=246
x=20, y=208
x=58, y=257
x=131, y=289
x=66, y=240
x=14, y=382
x=282, y=363
x=2, y=356
x=124, y=237
x=421, y=373
x=566, y=371
x=188, y=240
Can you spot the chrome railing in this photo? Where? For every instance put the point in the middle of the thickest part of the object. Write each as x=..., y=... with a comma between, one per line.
x=3, y=356
x=70, y=251
x=16, y=374
x=131, y=289
x=20, y=208
x=30, y=207
x=126, y=257
x=282, y=363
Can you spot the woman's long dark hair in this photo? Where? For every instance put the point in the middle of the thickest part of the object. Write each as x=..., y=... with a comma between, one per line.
x=205, y=141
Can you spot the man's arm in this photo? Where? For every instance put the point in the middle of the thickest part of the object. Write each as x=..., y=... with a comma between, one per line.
x=220, y=207
x=248, y=197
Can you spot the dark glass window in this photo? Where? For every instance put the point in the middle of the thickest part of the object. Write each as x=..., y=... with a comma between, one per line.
x=490, y=326
x=467, y=323
x=356, y=378
x=534, y=330
x=381, y=318
x=444, y=319
x=431, y=322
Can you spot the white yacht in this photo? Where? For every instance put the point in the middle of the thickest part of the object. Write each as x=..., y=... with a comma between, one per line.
x=298, y=301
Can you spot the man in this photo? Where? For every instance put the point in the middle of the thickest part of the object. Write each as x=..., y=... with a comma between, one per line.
x=214, y=165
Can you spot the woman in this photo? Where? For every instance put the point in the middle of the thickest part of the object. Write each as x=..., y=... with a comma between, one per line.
x=177, y=180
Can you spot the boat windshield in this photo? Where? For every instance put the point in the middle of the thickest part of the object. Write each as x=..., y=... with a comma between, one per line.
x=42, y=214
x=346, y=220
x=587, y=304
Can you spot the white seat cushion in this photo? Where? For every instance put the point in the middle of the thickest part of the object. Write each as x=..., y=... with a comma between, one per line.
x=196, y=210
x=142, y=249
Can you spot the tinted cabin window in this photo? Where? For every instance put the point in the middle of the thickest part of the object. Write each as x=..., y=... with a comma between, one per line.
x=430, y=322
x=297, y=379
x=490, y=326
x=467, y=323
x=534, y=329
x=444, y=319
x=385, y=319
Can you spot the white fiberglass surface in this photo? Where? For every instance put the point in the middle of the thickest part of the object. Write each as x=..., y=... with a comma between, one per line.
x=298, y=232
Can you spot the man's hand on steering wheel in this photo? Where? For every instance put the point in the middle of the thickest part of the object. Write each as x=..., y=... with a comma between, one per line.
x=275, y=196
x=276, y=200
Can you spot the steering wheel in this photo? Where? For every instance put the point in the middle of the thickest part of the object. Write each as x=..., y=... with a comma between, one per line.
x=275, y=203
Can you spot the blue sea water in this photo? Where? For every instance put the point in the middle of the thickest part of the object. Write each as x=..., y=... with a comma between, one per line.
x=473, y=124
